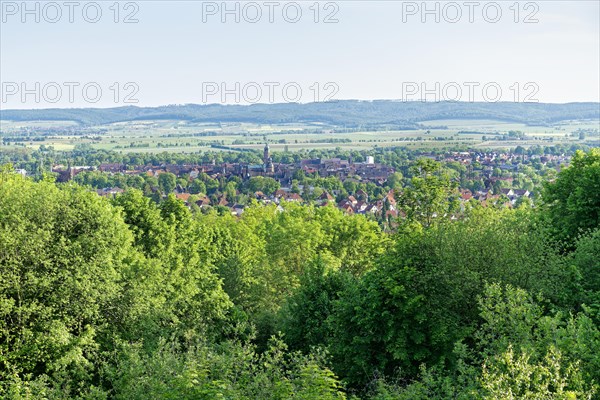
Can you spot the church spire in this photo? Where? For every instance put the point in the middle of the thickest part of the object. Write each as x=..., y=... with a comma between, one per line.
x=266, y=155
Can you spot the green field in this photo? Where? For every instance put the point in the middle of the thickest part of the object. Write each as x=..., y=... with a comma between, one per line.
x=183, y=136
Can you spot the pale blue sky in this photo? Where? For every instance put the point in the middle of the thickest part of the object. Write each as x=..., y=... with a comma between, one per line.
x=370, y=53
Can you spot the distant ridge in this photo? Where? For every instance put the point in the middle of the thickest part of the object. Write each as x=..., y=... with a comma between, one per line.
x=342, y=112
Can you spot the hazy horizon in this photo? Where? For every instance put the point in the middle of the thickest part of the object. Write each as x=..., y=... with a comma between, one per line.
x=276, y=104
x=159, y=53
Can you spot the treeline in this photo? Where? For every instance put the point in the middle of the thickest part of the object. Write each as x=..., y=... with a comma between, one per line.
x=347, y=113
x=130, y=299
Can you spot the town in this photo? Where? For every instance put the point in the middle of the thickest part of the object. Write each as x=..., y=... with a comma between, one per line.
x=365, y=187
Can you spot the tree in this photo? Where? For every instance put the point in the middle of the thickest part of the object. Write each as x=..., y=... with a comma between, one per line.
x=295, y=188
x=378, y=328
x=237, y=252
x=416, y=303
x=529, y=355
x=231, y=191
x=64, y=254
x=350, y=186
x=167, y=182
x=572, y=201
x=6, y=172
x=354, y=240
x=175, y=290
x=394, y=181
x=523, y=201
x=151, y=235
x=304, y=317
x=182, y=182
x=299, y=175
x=497, y=187
x=262, y=184
x=229, y=371
x=212, y=185
x=197, y=187
x=512, y=376
x=587, y=261
x=428, y=195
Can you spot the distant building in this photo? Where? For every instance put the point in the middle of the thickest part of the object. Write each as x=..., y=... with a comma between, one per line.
x=109, y=192
x=267, y=160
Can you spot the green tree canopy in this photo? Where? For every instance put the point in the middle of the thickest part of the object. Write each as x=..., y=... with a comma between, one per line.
x=572, y=201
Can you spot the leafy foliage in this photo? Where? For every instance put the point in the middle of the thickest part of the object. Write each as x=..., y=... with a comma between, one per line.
x=573, y=199
x=428, y=195
x=231, y=370
x=62, y=261
x=129, y=298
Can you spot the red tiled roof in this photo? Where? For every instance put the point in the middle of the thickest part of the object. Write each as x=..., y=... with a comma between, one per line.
x=183, y=196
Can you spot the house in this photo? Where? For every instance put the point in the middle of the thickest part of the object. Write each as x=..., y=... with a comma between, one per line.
x=362, y=195
x=183, y=196
x=109, y=192
x=371, y=209
x=391, y=213
x=237, y=209
x=390, y=198
x=222, y=201
x=112, y=167
x=347, y=209
x=325, y=196
x=344, y=203
x=521, y=193
x=293, y=197
x=279, y=193
x=69, y=173
x=360, y=206
x=203, y=202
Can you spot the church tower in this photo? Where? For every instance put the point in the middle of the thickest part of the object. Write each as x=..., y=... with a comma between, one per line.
x=268, y=165
x=266, y=154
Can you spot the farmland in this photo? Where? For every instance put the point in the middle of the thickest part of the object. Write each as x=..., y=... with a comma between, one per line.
x=187, y=137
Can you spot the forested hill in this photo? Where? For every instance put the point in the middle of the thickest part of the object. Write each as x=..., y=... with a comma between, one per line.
x=346, y=112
